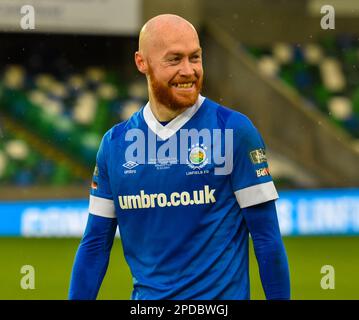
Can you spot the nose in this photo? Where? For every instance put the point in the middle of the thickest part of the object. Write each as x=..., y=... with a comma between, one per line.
x=186, y=68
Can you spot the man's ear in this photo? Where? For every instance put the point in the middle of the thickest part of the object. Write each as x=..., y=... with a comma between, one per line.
x=141, y=62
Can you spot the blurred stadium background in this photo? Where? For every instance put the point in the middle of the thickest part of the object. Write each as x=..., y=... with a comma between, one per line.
x=65, y=83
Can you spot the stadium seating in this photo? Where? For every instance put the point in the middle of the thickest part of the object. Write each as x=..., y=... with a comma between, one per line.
x=70, y=112
x=71, y=109
x=21, y=165
x=325, y=73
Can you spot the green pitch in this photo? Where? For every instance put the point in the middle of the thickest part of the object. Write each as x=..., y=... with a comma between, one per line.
x=53, y=258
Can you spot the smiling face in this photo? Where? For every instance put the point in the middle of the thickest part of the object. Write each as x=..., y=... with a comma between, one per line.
x=171, y=58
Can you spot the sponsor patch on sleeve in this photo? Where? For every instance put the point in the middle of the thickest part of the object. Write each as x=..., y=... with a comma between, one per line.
x=95, y=172
x=262, y=172
x=94, y=185
x=94, y=178
x=258, y=156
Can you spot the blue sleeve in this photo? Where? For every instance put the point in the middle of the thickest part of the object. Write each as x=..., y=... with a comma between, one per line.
x=250, y=177
x=272, y=260
x=93, y=254
x=92, y=258
x=100, y=186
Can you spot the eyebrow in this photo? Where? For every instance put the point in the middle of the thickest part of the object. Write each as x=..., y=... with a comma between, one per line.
x=178, y=53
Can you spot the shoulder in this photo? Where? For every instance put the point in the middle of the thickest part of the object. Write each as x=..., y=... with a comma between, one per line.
x=230, y=118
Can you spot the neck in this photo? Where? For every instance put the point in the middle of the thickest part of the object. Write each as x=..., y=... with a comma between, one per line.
x=162, y=112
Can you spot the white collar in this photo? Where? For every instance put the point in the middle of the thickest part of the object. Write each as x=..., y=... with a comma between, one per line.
x=165, y=132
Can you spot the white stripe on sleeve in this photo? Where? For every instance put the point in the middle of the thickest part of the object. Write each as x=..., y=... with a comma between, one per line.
x=102, y=207
x=256, y=194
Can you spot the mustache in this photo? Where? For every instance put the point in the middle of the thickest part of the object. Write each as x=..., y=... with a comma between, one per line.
x=195, y=80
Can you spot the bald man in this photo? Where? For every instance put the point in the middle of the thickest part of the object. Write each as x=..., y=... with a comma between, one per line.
x=163, y=42
x=185, y=180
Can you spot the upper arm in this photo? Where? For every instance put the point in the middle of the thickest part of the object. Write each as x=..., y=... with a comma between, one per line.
x=101, y=197
x=251, y=180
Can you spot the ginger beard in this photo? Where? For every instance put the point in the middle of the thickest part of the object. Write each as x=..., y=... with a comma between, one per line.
x=164, y=94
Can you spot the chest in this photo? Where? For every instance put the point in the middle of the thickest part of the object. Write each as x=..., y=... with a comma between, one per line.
x=186, y=161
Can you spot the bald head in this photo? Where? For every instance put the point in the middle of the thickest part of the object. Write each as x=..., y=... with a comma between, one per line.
x=170, y=56
x=164, y=27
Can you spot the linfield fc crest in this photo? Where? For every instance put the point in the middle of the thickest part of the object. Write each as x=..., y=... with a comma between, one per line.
x=197, y=156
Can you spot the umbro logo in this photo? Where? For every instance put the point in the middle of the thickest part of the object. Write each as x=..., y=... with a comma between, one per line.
x=130, y=165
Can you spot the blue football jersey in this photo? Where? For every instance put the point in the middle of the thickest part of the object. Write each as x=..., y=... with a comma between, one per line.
x=177, y=191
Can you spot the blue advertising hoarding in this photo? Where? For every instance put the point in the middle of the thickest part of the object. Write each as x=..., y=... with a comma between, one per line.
x=48, y=218
x=319, y=212
x=300, y=212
